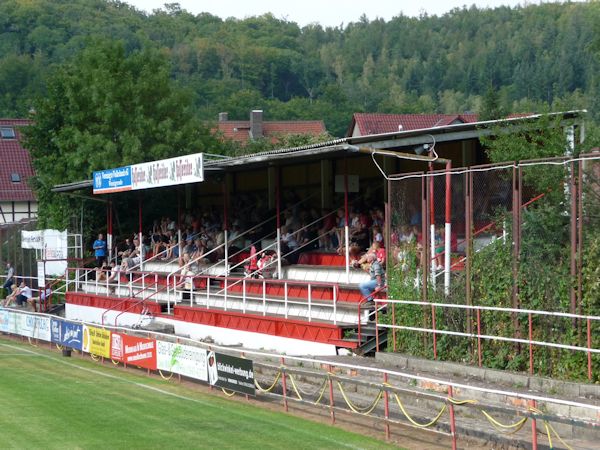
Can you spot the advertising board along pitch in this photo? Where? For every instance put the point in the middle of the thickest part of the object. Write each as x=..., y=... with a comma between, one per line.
x=165, y=172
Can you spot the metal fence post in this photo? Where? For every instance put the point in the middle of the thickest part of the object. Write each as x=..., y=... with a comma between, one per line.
x=452, y=419
x=284, y=384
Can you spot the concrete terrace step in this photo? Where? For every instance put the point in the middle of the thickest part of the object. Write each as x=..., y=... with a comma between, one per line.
x=321, y=273
x=324, y=274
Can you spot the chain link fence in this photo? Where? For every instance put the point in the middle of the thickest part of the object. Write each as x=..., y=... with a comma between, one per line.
x=522, y=236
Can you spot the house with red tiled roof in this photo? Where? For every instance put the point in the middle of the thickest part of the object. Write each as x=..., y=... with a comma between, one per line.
x=243, y=131
x=17, y=200
x=364, y=124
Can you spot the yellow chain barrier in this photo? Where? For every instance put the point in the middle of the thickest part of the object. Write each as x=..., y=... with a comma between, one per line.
x=550, y=429
x=513, y=427
x=260, y=388
x=116, y=363
x=60, y=347
x=30, y=343
x=320, y=390
x=461, y=402
x=94, y=357
x=417, y=424
x=163, y=377
x=365, y=411
x=228, y=394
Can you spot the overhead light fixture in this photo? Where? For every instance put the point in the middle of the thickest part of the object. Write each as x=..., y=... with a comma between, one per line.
x=422, y=148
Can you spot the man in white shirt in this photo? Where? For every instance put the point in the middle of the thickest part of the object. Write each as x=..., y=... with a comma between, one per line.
x=24, y=294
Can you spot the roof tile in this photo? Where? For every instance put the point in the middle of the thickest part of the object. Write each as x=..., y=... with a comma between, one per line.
x=15, y=159
x=239, y=130
x=376, y=123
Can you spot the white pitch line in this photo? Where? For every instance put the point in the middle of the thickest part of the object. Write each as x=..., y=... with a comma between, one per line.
x=182, y=397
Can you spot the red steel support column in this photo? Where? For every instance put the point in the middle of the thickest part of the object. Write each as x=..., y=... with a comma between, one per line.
x=376, y=328
x=140, y=232
x=109, y=229
x=331, y=411
x=394, y=324
x=448, y=228
x=479, y=336
x=452, y=419
x=278, y=209
x=534, y=445
x=225, y=227
x=424, y=240
x=346, y=229
x=284, y=385
x=589, y=346
x=434, y=334
x=516, y=183
x=530, y=345
x=386, y=406
x=580, y=237
x=468, y=200
x=573, y=253
x=432, y=223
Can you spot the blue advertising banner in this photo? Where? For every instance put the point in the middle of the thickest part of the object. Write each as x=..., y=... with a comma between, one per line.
x=71, y=335
x=67, y=334
x=112, y=180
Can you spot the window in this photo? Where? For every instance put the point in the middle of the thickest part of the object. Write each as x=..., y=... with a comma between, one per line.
x=7, y=133
x=15, y=177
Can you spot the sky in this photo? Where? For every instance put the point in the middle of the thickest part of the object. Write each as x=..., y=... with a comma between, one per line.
x=325, y=12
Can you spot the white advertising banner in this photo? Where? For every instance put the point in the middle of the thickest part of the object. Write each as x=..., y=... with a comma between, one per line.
x=4, y=321
x=55, y=252
x=168, y=172
x=54, y=246
x=182, y=359
x=41, y=274
x=32, y=326
x=32, y=239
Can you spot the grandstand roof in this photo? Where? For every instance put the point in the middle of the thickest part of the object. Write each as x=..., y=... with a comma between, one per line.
x=16, y=168
x=399, y=140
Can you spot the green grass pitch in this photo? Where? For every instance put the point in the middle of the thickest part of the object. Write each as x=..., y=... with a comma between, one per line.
x=48, y=401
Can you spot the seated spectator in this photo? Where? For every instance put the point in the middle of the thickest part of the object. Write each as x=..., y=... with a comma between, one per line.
x=188, y=250
x=136, y=256
x=10, y=298
x=377, y=235
x=266, y=265
x=113, y=277
x=125, y=249
x=375, y=249
x=24, y=295
x=377, y=278
x=326, y=231
x=101, y=272
x=200, y=247
x=45, y=295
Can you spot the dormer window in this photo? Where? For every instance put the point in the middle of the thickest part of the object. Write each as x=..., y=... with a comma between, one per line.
x=15, y=177
x=7, y=133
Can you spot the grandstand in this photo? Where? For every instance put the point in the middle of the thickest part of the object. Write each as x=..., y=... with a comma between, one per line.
x=307, y=300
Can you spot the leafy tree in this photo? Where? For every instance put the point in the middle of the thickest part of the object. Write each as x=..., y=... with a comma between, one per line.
x=107, y=109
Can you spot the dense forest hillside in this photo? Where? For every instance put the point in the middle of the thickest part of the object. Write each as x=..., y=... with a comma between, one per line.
x=517, y=59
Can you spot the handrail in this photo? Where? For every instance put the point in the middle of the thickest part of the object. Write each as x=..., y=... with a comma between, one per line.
x=149, y=259
x=286, y=301
x=194, y=261
x=227, y=243
x=142, y=301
